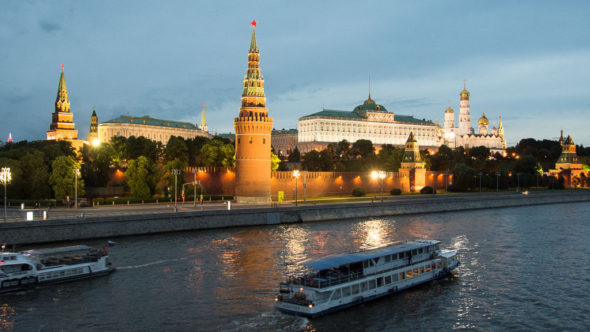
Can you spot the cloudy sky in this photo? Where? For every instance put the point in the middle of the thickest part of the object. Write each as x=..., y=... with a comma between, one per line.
x=527, y=61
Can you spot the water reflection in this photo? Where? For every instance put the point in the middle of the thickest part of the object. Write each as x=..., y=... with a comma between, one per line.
x=373, y=233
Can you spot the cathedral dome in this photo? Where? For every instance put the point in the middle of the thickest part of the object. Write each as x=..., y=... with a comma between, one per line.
x=449, y=110
x=464, y=94
x=371, y=106
x=483, y=121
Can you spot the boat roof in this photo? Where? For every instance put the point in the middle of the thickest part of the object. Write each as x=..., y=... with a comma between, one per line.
x=41, y=252
x=332, y=261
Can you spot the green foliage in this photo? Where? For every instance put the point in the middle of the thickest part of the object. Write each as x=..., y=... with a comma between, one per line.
x=62, y=177
x=362, y=148
x=463, y=177
x=141, y=176
x=274, y=162
x=133, y=147
x=216, y=153
x=358, y=192
x=96, y=164
x=294, y=156
x=177, y=149
x=395, y=191
x=98, y=200
x=427, y=190
x=315, y=161
x=170, y=179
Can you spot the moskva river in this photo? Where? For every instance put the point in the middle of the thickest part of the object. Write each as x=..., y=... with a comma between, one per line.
x=522, y=269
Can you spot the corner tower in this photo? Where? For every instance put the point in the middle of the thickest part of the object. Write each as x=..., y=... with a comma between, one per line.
x=93, y=132
x=464, y=116
x=62, y=125
x=253, y=128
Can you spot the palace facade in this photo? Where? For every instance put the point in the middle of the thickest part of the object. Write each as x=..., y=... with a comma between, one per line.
x=369, y=121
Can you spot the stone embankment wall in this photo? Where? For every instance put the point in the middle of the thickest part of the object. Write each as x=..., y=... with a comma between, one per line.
x=126, y=225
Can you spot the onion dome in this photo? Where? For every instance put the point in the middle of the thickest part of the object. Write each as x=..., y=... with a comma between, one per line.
x=449, y=110
x=483, y=121
x=464, y=94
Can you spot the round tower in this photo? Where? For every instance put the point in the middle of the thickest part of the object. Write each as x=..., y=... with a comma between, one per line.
x=253, y=129
x=464, y=116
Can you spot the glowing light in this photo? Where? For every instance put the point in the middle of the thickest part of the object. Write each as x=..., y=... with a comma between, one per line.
x=95, y=142
x=296, y=174
x=310, y=306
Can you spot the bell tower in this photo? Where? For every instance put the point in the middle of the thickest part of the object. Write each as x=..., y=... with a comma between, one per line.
x=253, y=128
x=62, y=120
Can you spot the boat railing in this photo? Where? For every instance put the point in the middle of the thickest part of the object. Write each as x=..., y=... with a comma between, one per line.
x=317, y=281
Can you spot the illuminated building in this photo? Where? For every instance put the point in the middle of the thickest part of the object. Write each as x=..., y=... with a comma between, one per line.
x=464, y=135
x=368, y=121
x=93, y=132
x=568, y=165
x=253, y=135
x=148, y=127
x=412, y=167
x=62, y=125
x=284, y=141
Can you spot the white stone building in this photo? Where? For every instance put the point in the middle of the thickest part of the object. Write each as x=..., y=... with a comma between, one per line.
x=367, y=121
x=464, y=135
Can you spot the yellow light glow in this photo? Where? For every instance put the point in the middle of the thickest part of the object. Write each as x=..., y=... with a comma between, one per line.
x=374, y=174
x=296, y=174
x=95, y=142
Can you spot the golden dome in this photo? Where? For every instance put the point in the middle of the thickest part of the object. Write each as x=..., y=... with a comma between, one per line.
x=483, y=121
x=449, y=110
x=369, y=101
x=464, y=94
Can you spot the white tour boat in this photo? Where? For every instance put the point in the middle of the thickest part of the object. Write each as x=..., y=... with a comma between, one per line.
x=43, y=266
x=340, y=281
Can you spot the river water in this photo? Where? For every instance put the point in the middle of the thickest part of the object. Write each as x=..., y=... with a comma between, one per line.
x=522, y=269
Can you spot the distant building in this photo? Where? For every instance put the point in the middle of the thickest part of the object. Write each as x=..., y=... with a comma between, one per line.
x=284, y=141
x=568, y=164
x=150, y=128
x=93, y=132
x=62, y=125
x=368, y=121
x=464, y=135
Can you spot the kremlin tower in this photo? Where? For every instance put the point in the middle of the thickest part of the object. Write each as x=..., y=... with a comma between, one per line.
x=253, y=128
x=93, y=132
x=62, y=122
x=464, y=116
x=203, y=126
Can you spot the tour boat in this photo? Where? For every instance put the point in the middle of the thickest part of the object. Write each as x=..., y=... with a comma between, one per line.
x=339, y=281
x=30, y=268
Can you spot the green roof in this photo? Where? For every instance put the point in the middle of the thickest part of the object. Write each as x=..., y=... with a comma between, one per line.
x=284, y=131
x=148, y=121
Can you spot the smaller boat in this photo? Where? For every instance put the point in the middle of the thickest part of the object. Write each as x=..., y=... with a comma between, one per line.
x=339, y=281
x=27, y=269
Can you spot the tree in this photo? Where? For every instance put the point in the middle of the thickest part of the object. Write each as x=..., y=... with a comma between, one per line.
x=62, y=177
x=36, y=175
x=170, y=178
x=141, y=176
x=216, y=154
x=294, y=156
x=96, y=164
x=463, y=177
x=442, y=160
x=316, y=161
x=362, y=148
x=274, y=161
x=176, y=149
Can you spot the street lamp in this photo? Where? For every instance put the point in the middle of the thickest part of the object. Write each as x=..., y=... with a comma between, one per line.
x=176, y=172
x=5, y=178
x=374, y=175
x=296, y=175
x=382, y=176
x=518, y=182
x=497, y=180
x=446, y=181
x=480, y=181
x=76, y=175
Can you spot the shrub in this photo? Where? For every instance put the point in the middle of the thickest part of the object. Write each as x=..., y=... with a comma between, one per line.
x=358, y=192
x=98, y=200
x=427, y=190
x=396, y=191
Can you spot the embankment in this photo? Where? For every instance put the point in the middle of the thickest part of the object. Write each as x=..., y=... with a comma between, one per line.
x=139, y=224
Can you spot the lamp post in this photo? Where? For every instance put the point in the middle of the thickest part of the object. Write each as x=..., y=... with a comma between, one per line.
x=176, y=172
x=76, y=174
x=480, y=173
x=446, y=181
x=5, y=178
x=497, y=180
x=374, y=175
x=296, y=175
x=382, y=176
x=304, y=186
x=518, y=182
x=194, y=187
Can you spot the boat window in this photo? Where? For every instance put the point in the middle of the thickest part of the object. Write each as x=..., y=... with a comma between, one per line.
x=387, y=259
x=408, y=273
x=402, y=276
x=427, y=249
x=372, y=284
x=401, y=255
x=355, y=289
x=377, y=260
x=365, y=264
x=364, y=287
x=428, y=268
x=371, y=262
x=415, y=272
x=394, y=277
x=387, y=280
x=414, y=252
x=345, y=291
x=438, y=265
x=337, y=294
x=421, y=269
x=420, y=250
x=379, y=281
x=433, y=266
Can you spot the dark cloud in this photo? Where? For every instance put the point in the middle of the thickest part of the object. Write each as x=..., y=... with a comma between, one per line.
x=48, y=26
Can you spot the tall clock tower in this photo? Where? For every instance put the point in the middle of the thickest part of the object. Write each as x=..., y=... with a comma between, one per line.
x=253, y=128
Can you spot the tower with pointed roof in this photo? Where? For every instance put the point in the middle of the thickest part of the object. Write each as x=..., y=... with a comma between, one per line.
x=412, y=167
x=253, y=130
x=62, y=125
x=93, y=132
x=203, y=125
x=464, y=116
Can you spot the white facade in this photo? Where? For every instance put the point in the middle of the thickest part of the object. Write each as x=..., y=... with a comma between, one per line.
x=368, y=121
